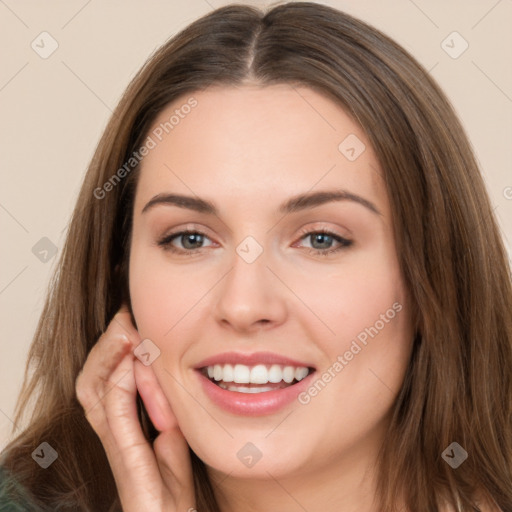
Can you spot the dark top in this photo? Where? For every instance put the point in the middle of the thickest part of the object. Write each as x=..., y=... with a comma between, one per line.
x=13, y=496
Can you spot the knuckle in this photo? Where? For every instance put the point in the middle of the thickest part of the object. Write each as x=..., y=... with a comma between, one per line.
x=115, y=333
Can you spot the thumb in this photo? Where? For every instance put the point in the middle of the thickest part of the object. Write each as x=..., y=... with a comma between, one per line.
x=155, y=401
x=173, y=455
x=170, y=446
x=173, y=458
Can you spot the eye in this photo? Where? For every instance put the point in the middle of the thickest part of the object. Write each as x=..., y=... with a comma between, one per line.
x=321, y=242
x=190, y=241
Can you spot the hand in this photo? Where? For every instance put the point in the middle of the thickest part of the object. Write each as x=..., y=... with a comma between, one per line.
x=150, y=478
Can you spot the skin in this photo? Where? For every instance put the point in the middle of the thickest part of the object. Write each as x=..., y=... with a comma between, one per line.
x=247, y=150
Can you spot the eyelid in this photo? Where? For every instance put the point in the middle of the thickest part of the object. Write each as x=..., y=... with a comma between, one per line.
x=190, y=227
x=319, y=227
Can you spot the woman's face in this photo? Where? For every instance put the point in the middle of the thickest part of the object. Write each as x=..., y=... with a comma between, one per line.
x=258, y=291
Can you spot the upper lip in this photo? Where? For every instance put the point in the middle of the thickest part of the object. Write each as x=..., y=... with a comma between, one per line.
x=250, y=359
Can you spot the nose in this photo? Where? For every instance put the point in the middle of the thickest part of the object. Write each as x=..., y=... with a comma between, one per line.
x=250, y=297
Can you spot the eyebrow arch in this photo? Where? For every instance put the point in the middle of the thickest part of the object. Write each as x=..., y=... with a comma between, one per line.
x=294, y=204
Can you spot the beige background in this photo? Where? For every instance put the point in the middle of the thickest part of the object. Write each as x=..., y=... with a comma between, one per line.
x=53, y=111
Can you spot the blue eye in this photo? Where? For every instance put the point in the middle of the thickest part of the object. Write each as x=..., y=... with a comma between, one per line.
x=321, y=242
x=192, y=242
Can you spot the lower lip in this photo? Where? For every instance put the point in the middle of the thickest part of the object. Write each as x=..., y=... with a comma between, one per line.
x=253, y=404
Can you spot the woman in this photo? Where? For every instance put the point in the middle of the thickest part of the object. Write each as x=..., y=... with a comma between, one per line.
x=283, y=288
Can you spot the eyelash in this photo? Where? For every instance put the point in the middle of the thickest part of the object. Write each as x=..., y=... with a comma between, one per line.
x=165, y=242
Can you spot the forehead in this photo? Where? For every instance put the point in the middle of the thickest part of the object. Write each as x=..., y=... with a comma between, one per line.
x=254, y=143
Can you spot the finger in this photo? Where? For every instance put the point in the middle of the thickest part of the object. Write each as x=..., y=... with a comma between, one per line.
x=170, y=447
x=130, y=456
x=109, y=350
x=120, y=405
x=153, y=397
x=173, y=457
x=104, y=357
x=90, y=383
x=122, y=321
x=96, y=380
x=100, y=370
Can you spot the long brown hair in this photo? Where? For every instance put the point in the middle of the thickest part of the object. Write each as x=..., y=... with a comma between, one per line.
x=458, y=387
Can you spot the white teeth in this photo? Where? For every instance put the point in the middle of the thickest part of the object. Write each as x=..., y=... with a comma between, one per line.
x=259, y=374
x=301, y=373
x=241, y=374
x=217, y=372
x=288, y=374
x=275, y=374
x=228, y=373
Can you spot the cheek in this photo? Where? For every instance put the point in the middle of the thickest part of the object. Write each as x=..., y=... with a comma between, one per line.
x=367, y=356
x=152, y=295
x=351, y=297
x=165, y=297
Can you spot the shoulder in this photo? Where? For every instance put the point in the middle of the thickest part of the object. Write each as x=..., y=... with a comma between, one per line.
x=13, y=496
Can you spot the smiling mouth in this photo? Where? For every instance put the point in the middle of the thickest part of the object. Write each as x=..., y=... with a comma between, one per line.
x=259, y=378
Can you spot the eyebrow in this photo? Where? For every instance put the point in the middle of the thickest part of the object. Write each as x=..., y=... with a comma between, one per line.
x=294, y=204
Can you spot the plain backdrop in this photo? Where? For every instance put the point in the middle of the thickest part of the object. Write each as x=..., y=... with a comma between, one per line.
x=55, y=106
